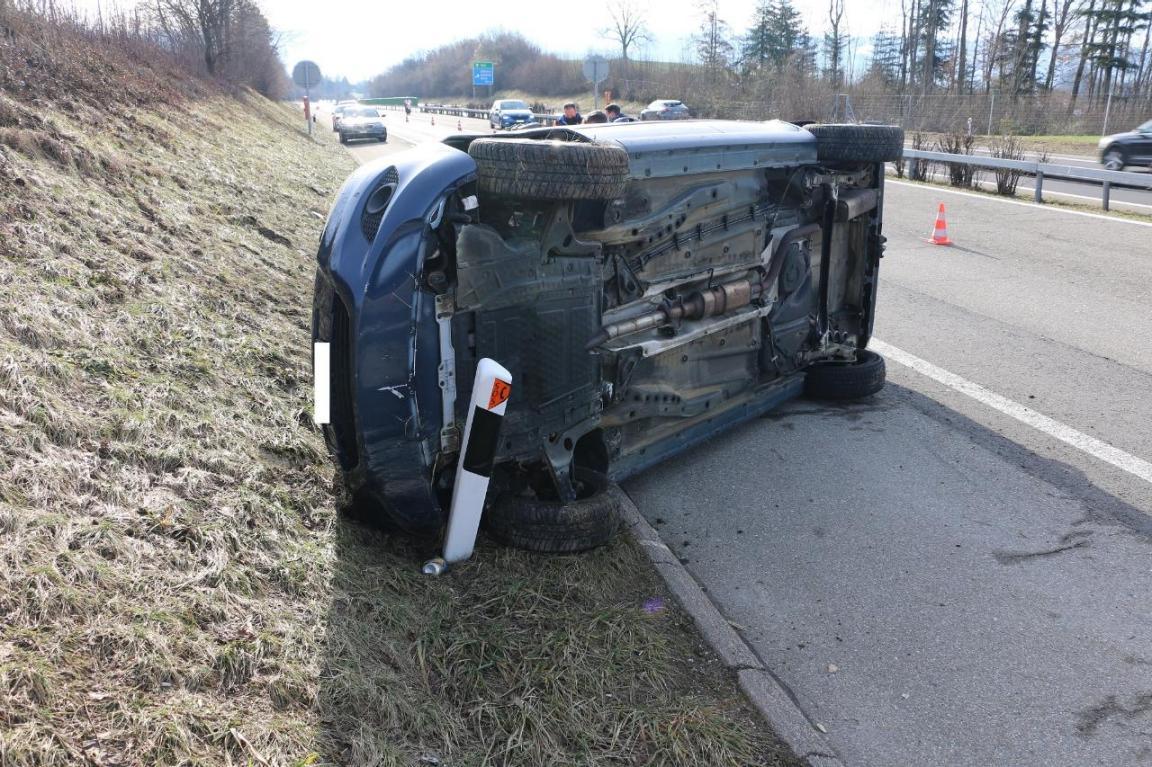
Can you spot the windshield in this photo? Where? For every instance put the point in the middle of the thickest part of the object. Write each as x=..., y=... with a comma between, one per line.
x=362, y=112
x=512, y=105
x=1146, y=127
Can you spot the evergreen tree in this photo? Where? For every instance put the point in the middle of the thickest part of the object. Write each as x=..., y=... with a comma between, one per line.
x=886, y=56
x=774, y=35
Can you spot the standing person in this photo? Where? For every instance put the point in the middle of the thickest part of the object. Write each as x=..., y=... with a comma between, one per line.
x=407, y=109
x=571, y=115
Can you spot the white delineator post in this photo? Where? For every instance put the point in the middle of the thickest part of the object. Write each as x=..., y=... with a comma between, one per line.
x=490, y=392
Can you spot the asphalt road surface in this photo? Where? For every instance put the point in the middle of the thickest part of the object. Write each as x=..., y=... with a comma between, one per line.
x=956, y=572
x=938, y=582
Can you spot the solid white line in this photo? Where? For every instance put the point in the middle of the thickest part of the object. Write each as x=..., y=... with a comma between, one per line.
x=1032, y=205
x=1066, y=434
x=1054, y=193
x=321, y=382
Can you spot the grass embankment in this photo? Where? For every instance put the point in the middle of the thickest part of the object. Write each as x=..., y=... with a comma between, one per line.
x=177, y=587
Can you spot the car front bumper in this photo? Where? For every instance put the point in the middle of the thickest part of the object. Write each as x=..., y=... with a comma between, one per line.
x=381, y=325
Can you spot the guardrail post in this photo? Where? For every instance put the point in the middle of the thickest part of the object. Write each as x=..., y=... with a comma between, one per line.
x=1039, y=186
x=1107, y=193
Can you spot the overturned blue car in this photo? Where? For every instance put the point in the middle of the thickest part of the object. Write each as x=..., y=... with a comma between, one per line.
x=648, y=285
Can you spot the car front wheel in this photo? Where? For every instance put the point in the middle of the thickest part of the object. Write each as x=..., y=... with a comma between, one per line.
x=858, y=379
x=1114, y=160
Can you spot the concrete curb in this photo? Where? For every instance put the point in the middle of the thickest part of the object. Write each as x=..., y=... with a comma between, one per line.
x=774, y=702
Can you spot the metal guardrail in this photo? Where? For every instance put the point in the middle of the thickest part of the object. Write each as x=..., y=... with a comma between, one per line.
x=480, y=114
x=1041, y=170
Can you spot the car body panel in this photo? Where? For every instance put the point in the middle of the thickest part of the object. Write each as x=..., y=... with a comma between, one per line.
x=382, y=327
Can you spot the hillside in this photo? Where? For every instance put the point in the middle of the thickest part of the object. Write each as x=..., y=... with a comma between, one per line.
x=178, y=587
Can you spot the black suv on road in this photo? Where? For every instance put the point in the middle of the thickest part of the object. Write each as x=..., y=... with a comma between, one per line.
x=1131, y=148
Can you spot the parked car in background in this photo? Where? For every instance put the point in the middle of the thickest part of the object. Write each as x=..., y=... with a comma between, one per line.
x=665, y=109
x=338, y=112
x=362, y=122
x=1131, y=148
x=506, y=113
x=647, y=285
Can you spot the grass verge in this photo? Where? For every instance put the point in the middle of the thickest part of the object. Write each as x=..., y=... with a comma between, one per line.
x=177, y=587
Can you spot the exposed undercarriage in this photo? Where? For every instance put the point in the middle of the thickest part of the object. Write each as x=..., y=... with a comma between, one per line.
x=668, y=311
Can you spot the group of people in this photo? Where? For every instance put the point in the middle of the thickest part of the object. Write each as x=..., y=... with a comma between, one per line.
x=610, y=114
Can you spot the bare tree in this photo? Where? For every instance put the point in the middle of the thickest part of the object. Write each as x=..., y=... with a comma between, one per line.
x=713, y=47
x=834, y=41
x=958, y=75
x=629, y=26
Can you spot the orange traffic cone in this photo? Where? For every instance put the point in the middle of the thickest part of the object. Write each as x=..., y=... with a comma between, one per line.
x=940, y=230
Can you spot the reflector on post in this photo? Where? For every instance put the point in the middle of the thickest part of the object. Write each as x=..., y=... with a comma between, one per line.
x=490, y=392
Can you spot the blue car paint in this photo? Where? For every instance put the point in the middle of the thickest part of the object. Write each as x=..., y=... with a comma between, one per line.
x=393, y=343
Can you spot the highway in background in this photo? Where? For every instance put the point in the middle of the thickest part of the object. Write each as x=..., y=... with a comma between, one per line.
x=421, y=128
x=957, y=571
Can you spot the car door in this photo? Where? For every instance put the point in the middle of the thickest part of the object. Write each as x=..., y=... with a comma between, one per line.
x=1142, y=146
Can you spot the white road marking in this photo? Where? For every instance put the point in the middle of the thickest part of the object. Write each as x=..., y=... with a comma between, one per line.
x=1053, y=193
x=1032, y=205
x=321, y=381
x=1097, y=449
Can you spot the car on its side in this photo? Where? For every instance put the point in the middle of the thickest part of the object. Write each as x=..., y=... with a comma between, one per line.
x=506, y=113
x=648, y=286
x=338, y=112
x=1131, y=148
x=362, y=122
x=665, y=109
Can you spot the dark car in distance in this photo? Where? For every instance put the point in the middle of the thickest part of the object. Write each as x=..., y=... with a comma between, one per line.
x=665, y=109
x=648, y=285
x=1131, y=148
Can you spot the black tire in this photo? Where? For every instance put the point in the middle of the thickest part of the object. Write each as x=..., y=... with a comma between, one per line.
x=549, y=170
x=1119, y=155
x=858, y=143
x=846, y=380
x=552, y=527
x=343, y=139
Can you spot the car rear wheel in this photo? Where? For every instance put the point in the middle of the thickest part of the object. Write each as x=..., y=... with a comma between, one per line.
x=846, y=380
x=343, y=139
x=1114, y=159
x=858, y=143
x=549, y=170
x=554, y=527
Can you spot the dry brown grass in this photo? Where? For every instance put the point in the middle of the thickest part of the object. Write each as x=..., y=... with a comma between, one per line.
x=176, y=587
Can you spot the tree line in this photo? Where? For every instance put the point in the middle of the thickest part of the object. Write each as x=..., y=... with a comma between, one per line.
x=1066, y=56
x=226, y=40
